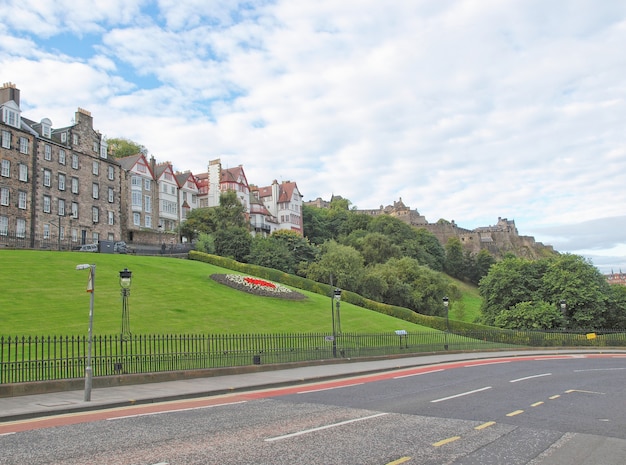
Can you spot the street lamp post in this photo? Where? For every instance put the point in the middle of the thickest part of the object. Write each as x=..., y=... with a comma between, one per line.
x=337, y=299
x=445, y=334
x=564, y=311
x=125, y=279
x=90, y=288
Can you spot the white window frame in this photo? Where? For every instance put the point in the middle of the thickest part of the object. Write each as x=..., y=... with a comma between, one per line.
x=75, y=185
x=47, y=152
x=47, y=201
x=61, y=157
x=4, y=225
x=111, y=195
x=95, y=191
x=111, y=173
x=147, y=203
x=74, y=210
x=23, y=145
x=6, y=168
x=62, y=181
x=95, y=168
x=46, y=231
x=61, y=207
x=5, y=196
x=6, y=139
x=47, y=178
x=22, y=200
x=23, y=172
x=111, y=216
x=95, y=214
x=20, y=228
x=75, y=164
x=137, y=219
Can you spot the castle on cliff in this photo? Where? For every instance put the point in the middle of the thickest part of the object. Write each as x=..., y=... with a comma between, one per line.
x=498, y=239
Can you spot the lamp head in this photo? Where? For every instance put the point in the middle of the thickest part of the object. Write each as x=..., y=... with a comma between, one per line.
x=337, y=294
x=445, y=301
x=125, y=277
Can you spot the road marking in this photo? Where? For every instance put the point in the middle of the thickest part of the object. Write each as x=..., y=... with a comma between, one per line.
x=485, y=425
x=600, y=369
x=399, y=461
x=418, y=374
x=328, y=388
x=554, y=397
x=6, y=434
x=173, y=411
x=569, y=391
x=537, y=404
x=461, y=395
x=446, y=441
x=320, y=428
x=516, y=412
x=529, y=377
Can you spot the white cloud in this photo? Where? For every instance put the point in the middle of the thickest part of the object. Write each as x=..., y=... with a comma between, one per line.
x=467, y=110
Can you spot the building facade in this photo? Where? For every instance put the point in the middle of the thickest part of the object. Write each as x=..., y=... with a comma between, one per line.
x=59, y=187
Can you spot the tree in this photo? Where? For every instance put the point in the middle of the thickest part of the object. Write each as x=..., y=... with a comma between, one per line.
x=230, y=212
x=509, y=282
x=272, y=254
x=122, y=147
x=300, y=248
x=376, y=248
x=198, y=221
x=233, y=242
x=574, y=279
x=530, y=316
x=455, y=261
x=344, y=263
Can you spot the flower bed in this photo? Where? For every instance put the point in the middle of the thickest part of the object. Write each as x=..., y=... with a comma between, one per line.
x=257, y=286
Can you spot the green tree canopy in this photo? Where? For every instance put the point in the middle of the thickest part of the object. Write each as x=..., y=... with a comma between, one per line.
x=122, y=147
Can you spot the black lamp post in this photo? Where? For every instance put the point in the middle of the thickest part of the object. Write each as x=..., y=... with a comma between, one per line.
x=337, y=298
x=125, y=278
x=445, y=334
x=564, y=310
x=334, y=306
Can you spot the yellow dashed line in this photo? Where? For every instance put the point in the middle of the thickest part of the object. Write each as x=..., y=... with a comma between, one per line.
x=446, y=441
x=554, y=397
x=536, y=404
x=512, y=414
x=399, y=461
x=485, y=425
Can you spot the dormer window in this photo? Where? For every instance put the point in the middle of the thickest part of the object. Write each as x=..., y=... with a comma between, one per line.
x=11, y=114
x=46, y=128
x=64, y=137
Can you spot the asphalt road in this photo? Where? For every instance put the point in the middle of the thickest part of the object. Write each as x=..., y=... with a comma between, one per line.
x=545, y=411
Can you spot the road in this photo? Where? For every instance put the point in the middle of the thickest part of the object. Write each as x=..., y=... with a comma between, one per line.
x=536, y=411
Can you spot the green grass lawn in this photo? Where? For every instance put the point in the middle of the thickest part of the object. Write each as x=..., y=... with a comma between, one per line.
x=42, y=293
x=468, y=307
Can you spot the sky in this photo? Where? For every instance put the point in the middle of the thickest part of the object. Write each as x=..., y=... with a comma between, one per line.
x=467, y=110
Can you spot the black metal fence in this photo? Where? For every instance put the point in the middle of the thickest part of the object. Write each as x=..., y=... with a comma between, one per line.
x=25, y=359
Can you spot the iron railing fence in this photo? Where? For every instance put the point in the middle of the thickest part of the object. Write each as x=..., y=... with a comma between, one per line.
x=24, y=359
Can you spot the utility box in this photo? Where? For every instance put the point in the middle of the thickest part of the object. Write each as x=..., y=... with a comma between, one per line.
x=105, y=246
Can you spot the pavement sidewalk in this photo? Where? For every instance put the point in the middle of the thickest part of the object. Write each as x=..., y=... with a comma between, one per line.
x=39, y=405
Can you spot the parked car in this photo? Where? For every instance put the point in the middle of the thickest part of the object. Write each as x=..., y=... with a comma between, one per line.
x=88, y=248
x=120, y=247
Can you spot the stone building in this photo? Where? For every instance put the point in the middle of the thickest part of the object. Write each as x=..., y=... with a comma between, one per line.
x=59, y=185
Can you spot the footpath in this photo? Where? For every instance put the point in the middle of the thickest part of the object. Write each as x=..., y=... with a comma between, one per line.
x=40, y=405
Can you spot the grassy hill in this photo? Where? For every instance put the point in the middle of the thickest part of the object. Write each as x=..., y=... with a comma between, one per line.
x=42, y=293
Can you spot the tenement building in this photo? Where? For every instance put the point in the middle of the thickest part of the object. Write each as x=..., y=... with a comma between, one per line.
x=58, y=188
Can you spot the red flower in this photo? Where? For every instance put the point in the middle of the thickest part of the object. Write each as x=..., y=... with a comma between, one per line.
x=259, y=282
